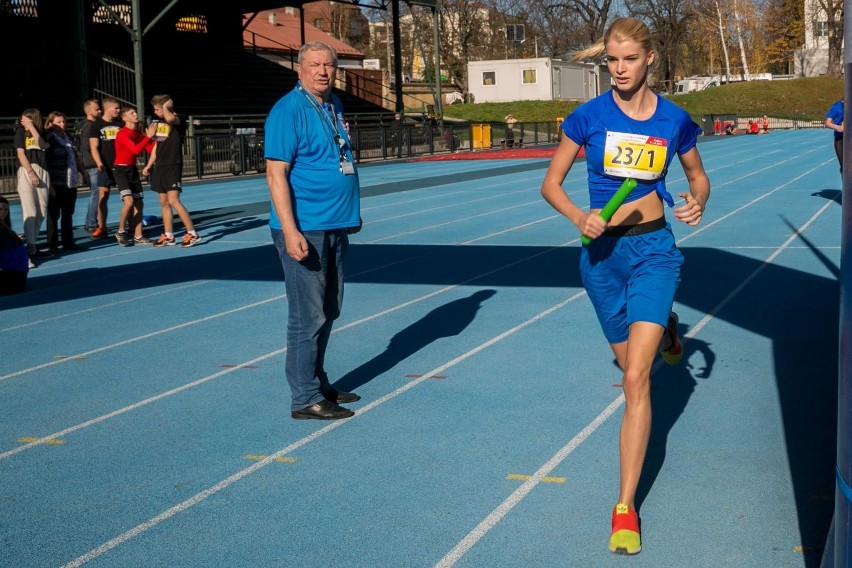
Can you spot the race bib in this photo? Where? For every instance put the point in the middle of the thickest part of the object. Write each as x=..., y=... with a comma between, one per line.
x=110, y=132
x=634, y=155
x=31, y=144
x=163, y=130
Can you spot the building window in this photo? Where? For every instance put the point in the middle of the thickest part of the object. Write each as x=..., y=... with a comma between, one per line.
x=194, y=23
x=489, y=78
x=529, y=76
x=318, y=23
x=22, y=8
x=820, y=29
x=103, y=16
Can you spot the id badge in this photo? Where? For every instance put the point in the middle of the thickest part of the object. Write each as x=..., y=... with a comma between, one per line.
x=348, y=168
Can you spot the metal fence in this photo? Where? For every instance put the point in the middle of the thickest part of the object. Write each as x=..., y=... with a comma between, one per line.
x=204, y=156
x=239, y=151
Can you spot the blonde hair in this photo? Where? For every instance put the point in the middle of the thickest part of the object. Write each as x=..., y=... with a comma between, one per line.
x=622, y=29
x=48, y=122
x=159, y=100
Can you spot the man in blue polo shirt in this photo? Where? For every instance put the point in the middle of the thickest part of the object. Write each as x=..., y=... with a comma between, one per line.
x=313, y=184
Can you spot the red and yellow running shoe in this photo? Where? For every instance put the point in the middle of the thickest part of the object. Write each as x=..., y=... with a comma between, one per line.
x=625, y=537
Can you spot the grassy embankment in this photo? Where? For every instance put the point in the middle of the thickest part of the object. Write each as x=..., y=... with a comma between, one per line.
x=806, y=99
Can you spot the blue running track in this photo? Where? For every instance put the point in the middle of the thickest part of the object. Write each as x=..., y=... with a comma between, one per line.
x=145, y=414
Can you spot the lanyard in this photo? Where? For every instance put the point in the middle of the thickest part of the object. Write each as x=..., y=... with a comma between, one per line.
x=336, y=138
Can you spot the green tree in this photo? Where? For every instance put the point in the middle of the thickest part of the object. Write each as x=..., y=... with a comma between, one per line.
x=785, y=33
x=669, y=22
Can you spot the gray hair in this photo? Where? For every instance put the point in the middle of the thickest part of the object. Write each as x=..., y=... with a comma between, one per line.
x=316, y=45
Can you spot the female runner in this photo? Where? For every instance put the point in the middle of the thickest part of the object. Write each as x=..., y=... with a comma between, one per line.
x=632, y=267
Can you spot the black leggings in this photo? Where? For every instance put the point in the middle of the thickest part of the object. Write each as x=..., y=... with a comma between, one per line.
x=61, y=204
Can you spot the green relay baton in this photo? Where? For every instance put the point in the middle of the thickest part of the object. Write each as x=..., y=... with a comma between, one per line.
x=613, y=204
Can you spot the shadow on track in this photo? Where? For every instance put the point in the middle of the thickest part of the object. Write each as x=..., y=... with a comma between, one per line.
x=796, y=310
x=448, y=320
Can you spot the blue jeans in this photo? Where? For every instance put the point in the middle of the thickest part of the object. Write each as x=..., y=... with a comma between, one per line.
x=314, y=298
x=92, y=211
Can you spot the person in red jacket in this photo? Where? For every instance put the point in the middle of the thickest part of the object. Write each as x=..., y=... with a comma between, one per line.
x=129, y=143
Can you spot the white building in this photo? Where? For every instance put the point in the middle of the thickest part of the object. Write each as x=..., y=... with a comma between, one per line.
x=812, y=59
x=701, y=82
x=537, y=79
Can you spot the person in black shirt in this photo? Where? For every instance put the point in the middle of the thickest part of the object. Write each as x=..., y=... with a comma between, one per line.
x=397, y=134
x=92, y=110
x=102, y=146
x=33, y=178
x=165, y=166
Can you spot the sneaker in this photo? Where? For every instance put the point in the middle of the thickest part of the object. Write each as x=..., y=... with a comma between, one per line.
x=30, y=264
x=99, y=233
x=625, y=537
x=673, y=354
x=143, y=240
x=165, y=241
x=122, y=239
x=190, y=240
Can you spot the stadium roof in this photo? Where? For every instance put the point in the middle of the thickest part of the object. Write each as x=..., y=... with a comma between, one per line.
x=263, y=5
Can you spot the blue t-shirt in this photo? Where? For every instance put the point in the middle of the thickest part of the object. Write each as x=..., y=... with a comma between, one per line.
x=835, y=113
x=611, y=136
x=303, y=134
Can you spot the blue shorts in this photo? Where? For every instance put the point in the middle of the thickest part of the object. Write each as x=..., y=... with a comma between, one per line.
x=631, y=278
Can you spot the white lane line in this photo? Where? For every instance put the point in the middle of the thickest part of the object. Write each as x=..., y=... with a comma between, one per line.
x=449, y=206
x=225, y=483
x=225, y=313
x=526, y=487
x=139, y=338
x=437, y=225
x=726, y=165
x=416, y=197
x=128, y=271
x=769, y=260
x=704, y=227
x=233, y=479
x=490, y=521
x=51, y=436
x=504, y=508
x=107, y=416
x=512, y=229
x=110, y=305
x=56, y=362
x=435, y=193
x=135, y=405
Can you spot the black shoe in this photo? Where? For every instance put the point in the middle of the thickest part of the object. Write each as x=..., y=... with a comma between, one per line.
x=41, y=254
x=340, y=397
x=323, y=410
